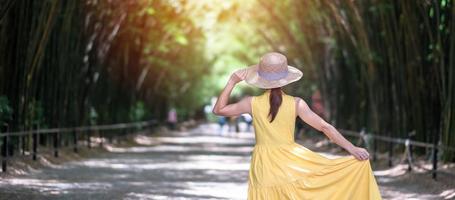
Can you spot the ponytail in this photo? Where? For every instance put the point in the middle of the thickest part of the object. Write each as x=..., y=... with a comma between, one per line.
x=275, y=100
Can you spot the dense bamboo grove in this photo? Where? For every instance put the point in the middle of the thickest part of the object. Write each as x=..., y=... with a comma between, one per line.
x=387, y=66
x=395, y=71
x=68, y=63
x=41, y=53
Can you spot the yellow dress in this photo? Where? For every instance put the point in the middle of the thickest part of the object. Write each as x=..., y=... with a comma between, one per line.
x=282, y=169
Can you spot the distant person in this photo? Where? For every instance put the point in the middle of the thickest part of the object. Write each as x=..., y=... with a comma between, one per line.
x=281, y=168
x=248, y=120
x=172, y=118
x=233, y=124
x=221, y=123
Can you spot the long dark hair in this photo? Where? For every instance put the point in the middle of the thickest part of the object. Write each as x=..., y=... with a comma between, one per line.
x=275, y=100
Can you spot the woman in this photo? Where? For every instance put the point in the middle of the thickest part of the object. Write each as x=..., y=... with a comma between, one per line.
x=280, y=168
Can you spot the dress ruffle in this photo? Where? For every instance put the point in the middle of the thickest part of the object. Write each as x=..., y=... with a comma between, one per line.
x=291, y=171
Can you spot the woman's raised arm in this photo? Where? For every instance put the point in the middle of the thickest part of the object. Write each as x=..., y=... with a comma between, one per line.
x=222, y=107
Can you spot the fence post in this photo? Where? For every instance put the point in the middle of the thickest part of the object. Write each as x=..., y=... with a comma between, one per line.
x=375, y=149
x=411, y=136
x=109, y=136
x=390, y=151
x=56, y=143
x=21, y=147
x=100, y=134
x=24, y=142
x=88, y=139
x=75, y=141
x=407, y=145
x=435, y=154
x=4, y=148
x=360, y=140
x=35, y=144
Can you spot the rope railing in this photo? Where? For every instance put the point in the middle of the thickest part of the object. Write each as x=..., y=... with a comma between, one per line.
x=57, y=139
x=396, y=140
x=79, y=129
x=407, y=142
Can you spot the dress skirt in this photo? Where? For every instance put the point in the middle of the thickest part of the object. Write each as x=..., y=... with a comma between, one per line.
x=291, y=171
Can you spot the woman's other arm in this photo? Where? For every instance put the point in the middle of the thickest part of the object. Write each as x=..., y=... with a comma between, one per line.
x=311, y=118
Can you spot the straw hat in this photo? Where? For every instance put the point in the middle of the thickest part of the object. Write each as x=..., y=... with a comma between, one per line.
x=272, y=71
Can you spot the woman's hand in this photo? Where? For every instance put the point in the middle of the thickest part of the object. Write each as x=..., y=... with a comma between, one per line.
x=360, y=153
x=238, y=76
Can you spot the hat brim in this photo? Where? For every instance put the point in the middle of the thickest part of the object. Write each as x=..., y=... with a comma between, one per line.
x=254, y=79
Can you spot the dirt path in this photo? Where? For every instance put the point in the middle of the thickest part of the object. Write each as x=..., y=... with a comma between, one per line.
x=198, y=164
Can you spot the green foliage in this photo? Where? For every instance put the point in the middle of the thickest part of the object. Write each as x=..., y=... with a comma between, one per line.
x=137, y=112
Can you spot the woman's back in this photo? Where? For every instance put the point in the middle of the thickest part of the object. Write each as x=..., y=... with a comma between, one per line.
x=281, y=129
